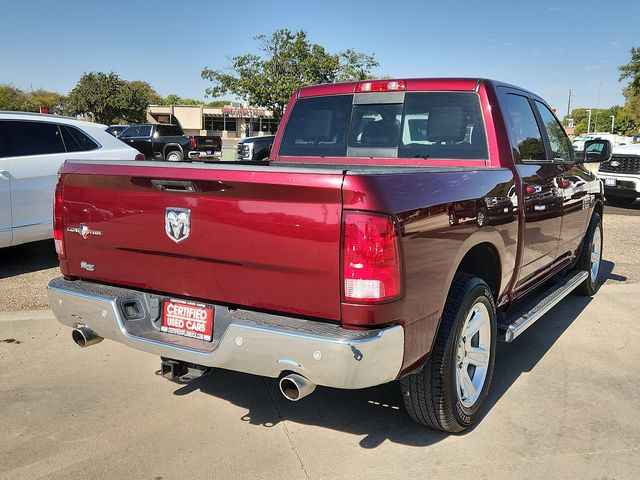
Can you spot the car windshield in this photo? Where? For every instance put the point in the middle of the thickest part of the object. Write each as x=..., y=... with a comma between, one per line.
x=420, y=125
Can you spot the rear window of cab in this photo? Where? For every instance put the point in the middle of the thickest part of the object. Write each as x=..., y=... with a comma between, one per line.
x=412, y=125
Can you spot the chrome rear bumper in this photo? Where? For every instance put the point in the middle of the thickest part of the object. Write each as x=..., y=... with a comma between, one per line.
x=244, y=341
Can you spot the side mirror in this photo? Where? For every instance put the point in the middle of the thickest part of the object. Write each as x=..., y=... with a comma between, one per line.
x=596, y=151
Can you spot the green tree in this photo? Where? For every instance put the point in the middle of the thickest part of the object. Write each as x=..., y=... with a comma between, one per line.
x=12, y=98
x=52, y=101
x=108, y=98
x=173, y=99
x=287, y=62
x=631, y=72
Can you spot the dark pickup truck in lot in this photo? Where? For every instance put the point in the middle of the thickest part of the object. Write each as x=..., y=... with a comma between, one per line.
x=161, y=142
x=337, y=263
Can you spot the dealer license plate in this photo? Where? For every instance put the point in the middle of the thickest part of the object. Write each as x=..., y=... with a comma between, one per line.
x=610, y=182
x=187, y=319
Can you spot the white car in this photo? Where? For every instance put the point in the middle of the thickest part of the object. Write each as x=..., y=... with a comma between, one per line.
x=32, y=149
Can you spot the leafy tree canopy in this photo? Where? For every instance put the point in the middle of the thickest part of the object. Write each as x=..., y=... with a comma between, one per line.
x=109, y=99
x=630, y=113
x=12, y=98
x=601, y=120
x=287, y=62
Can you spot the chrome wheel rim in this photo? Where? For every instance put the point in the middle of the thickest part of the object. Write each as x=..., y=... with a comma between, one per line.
x=596, y=254
x=473, y=353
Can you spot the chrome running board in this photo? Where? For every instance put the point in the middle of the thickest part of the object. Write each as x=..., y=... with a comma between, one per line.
x=522, y=318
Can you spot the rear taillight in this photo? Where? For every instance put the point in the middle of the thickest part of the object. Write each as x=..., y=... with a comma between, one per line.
x=58, y=237
x=140, y=156
x=381, y=86
x=371, y=258
x=192, y=142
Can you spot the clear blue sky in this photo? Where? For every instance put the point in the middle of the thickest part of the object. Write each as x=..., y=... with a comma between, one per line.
x=548, y=47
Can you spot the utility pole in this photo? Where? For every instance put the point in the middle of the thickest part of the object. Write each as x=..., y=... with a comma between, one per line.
x=613, y=119
x=569, y=104
x=589, y=122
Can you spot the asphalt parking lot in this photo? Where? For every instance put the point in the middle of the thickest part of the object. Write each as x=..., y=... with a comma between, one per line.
x=563, y=402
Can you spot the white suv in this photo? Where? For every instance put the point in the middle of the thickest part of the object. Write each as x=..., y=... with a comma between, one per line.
x=32, y=149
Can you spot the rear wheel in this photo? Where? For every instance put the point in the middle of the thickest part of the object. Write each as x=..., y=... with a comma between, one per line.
x=623, y=201
x=449, y=391
x=591, y=256
x=174, y=156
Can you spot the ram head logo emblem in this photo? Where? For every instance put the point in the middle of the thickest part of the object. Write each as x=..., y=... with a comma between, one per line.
x=177, y=223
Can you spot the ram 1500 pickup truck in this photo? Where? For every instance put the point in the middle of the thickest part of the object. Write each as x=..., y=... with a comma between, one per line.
x=338, y=262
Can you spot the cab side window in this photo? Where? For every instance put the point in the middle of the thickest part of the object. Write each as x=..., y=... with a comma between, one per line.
x=558, y=141
x=130, y=132
x=524, y=128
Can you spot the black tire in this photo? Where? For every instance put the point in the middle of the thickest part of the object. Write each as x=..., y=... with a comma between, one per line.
x=431, y=395
x=622, y=201
x=481, y=218
x=174, y=156
x=591, y=285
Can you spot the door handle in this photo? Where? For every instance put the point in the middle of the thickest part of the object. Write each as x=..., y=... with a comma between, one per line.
x=4, y=175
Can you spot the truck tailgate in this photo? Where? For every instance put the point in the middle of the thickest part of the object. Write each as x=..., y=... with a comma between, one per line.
x=262, y=237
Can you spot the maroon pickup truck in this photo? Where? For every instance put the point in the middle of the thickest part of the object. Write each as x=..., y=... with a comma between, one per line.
x=354, y=257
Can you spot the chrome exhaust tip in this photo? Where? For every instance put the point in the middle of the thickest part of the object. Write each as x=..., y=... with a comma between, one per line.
x=295, y=387
x=85, y=337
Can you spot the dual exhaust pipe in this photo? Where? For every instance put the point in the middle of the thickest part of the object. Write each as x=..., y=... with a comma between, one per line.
x=85, y=337
x=293, y=387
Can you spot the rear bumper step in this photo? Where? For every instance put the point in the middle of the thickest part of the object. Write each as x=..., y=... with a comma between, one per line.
x=532, y=311
x=244, y=341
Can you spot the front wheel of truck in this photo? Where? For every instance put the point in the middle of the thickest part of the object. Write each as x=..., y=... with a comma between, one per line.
x=449, y=391
x=591, y=257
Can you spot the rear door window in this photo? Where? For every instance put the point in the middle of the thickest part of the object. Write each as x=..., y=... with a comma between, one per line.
x=424, y=125
x=144, y=131
x=169, y=131
x=32, y=138
x=75, y=140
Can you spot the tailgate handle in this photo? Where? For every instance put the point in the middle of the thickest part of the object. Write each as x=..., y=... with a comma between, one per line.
x=174, y=185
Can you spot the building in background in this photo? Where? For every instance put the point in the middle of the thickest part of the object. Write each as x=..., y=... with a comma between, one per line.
x=229, y=122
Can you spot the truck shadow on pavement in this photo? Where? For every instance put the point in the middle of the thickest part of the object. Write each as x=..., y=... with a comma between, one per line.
x=27, y=258
x=377, y=414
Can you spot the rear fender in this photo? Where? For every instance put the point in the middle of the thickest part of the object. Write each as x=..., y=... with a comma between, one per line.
x=171, y=147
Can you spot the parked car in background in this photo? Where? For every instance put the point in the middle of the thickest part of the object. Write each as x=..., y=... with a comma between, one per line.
x=116, y=130
x=161, y=142
x=32, y=148
x=209, y=147
x=621, y=175
x=255, y=148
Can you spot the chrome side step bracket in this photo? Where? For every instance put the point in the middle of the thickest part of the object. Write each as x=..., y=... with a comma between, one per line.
x=522, y=318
